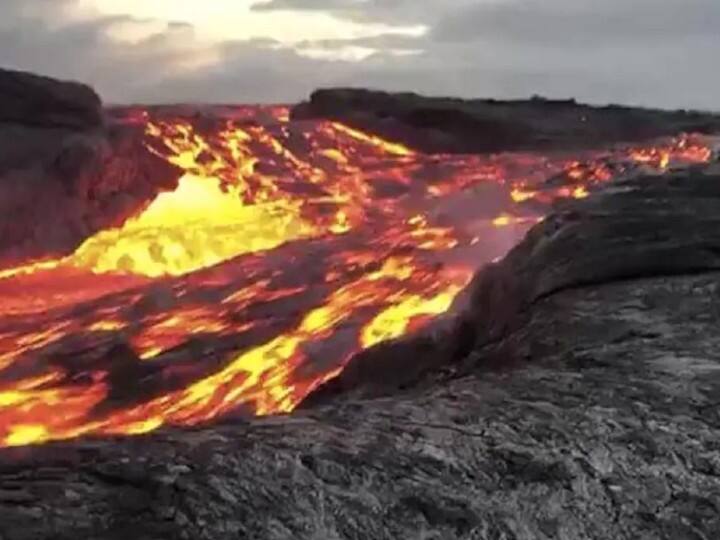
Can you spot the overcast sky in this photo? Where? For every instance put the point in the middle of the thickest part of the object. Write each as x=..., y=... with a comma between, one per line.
x=647, y=52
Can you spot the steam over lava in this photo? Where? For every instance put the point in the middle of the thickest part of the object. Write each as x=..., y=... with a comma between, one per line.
x=286, y=248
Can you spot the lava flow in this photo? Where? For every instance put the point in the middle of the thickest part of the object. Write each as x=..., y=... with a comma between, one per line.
x=286, y=248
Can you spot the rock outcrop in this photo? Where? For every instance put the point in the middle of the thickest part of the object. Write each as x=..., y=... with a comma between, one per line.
x=34, y=100
x=445, y=125
x=66, y=172
x=574, y=395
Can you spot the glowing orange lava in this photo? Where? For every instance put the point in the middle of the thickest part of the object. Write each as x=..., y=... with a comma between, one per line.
x=286, y=248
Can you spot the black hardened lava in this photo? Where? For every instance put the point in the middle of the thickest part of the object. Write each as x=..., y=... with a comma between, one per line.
x=449, y=125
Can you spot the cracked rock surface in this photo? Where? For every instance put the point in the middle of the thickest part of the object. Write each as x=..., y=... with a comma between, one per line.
x=581, y=403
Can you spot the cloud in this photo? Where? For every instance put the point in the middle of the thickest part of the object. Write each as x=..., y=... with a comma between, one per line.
x=387, y=11
x=248, y=72
x=43, y=36
x=654, y=52
x=318, y=5
x=650, y=52
x=581, y=23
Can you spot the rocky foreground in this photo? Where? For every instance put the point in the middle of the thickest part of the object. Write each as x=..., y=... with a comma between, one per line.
x=447, y=125
x=66, y=171
x=574, y=395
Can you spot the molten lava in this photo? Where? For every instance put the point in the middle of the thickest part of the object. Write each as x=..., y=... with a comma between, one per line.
x=286, y=248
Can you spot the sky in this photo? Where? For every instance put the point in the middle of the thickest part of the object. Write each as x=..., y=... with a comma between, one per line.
x=639, y=52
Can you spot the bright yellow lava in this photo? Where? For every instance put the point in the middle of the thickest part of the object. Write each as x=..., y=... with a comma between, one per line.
x=21, y=435
x=393, y=322
x=196, y=226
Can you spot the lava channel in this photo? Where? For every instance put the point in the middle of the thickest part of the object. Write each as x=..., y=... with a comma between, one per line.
x=286, y=248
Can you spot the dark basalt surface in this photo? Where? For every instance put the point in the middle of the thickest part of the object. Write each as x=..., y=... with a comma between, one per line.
x=449, y=125
x=573, y=395
x=34, y=100
x=65, y=171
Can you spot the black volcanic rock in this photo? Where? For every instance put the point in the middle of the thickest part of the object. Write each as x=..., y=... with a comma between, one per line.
x=603, y=422
x=33, y=100
x=445, y=125
x=65, y=173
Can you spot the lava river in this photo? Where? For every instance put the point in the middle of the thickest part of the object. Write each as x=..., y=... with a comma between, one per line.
x=286, y=248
